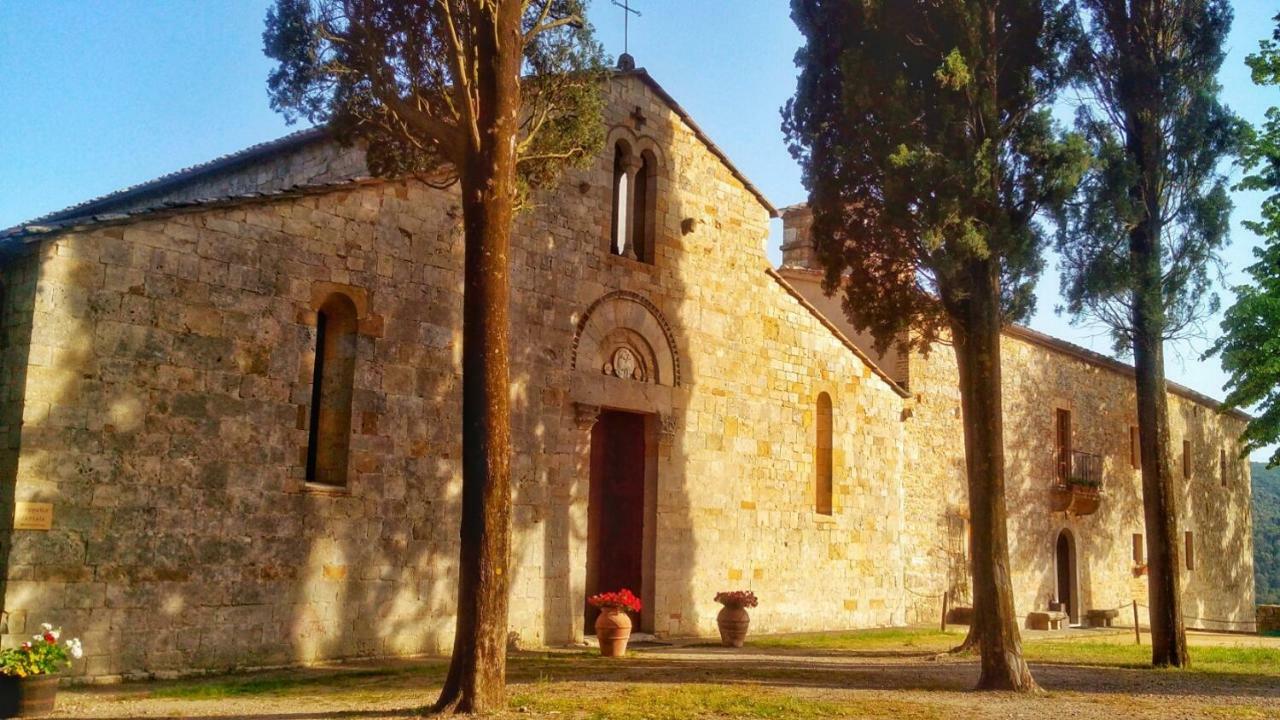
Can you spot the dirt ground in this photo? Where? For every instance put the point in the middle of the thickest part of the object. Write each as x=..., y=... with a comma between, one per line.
x=706, y=681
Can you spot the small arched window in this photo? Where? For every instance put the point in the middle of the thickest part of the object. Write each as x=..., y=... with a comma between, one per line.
x=332, y=386
x=634, y=203
x=822, y=455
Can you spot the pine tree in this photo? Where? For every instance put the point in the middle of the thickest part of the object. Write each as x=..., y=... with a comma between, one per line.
x=1140, y=247
x=928, y=152
x=496, y=96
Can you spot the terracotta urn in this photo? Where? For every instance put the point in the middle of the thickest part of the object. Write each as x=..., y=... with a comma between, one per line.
x=733, y=621
x=613, y=630
x=27, y=697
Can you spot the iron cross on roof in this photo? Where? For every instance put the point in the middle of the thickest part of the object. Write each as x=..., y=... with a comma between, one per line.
x=627, y=12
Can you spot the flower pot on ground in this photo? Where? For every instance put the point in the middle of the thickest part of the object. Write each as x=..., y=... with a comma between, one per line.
x=28, y=683
x=733, y=619
x=613, y=625
x=27, y=696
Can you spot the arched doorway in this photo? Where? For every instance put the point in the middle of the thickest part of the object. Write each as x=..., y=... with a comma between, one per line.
x=1068, y=589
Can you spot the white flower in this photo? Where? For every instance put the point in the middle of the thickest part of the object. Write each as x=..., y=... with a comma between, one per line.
x=46, y=627
x=74, y=646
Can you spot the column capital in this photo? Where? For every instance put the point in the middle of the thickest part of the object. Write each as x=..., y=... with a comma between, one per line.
x=585, y=415
x=666, y=428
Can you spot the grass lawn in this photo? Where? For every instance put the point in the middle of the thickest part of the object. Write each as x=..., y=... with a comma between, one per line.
x=889, y=674
x=1109, y=651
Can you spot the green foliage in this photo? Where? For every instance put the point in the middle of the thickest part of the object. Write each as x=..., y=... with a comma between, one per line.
x=400, y=76
x=1157, y=132
x=41, y=655
x=927, y=146
x=1250, y=341
x=1266, y=533
x=1261, y=152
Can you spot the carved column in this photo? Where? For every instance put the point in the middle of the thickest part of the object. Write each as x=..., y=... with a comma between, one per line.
x=573, y=502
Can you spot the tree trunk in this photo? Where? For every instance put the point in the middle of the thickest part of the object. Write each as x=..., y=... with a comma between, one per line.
x=975, y=323
x=1159, y=497
x=477, y=672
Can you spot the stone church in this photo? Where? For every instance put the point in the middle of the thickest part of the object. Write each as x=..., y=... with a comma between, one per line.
x=230, y=399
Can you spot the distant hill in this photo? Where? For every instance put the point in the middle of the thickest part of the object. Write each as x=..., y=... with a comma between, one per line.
x=1266, y=533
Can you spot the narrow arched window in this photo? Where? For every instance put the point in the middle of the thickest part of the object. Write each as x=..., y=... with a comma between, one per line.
x=822, y=455
x=332, y=386
x=621, y=199
x=643, y=193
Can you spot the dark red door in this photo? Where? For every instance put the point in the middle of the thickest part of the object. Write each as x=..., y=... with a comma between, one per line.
x=615, y=524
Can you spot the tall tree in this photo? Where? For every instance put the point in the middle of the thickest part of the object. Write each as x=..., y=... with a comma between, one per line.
x=496, y=96
x=1250, y=343
x=1139, y=248
x=928, y=153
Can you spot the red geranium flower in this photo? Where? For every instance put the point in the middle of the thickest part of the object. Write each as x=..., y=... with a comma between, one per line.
x=623, y=599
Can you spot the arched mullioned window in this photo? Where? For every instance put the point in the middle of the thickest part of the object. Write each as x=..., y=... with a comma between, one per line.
x=822, y=455
x=634, y=202
x=332, y=386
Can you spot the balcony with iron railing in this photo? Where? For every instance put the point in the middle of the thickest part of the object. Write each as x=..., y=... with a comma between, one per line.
x=1077, y=487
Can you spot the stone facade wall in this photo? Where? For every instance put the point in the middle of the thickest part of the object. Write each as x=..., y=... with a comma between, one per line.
x=1037, y=381
x=1039, y=378
x=164, y=416
x=18, y=273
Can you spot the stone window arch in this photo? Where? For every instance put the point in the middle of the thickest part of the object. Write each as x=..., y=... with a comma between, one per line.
x=823, y=451
x=633, y=227
x=332, y=388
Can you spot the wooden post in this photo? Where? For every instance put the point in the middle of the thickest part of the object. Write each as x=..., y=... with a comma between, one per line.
x=1137, y=630
x=942, y=624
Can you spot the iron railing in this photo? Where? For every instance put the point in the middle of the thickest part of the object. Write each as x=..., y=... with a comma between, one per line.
x=1082, y=469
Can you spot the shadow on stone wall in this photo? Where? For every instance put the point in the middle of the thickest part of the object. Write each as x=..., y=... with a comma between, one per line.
x=1031, y=471
x=18, y=269
x=1220, y=519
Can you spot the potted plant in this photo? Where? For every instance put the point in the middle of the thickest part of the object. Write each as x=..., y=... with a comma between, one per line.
x=733, y=619
x=28, y=684
x=613, y=624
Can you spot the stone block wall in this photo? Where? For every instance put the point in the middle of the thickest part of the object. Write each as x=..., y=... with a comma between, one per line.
x=164, y=414
x=1041, y=375
x=1038, y=380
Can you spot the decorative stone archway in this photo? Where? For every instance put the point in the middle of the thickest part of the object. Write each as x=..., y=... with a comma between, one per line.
x=624, y=335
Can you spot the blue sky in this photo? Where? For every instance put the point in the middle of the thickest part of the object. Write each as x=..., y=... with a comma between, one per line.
x=97, y=96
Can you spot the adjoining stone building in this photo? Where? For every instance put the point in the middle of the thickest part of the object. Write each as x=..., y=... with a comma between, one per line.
x=229, y=420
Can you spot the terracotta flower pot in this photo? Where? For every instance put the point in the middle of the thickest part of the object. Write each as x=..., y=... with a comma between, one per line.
x=733, y=621
x=613, y=630
x=27, y=697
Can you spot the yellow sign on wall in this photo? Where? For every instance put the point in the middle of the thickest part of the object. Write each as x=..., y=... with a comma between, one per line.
x=33, y=516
